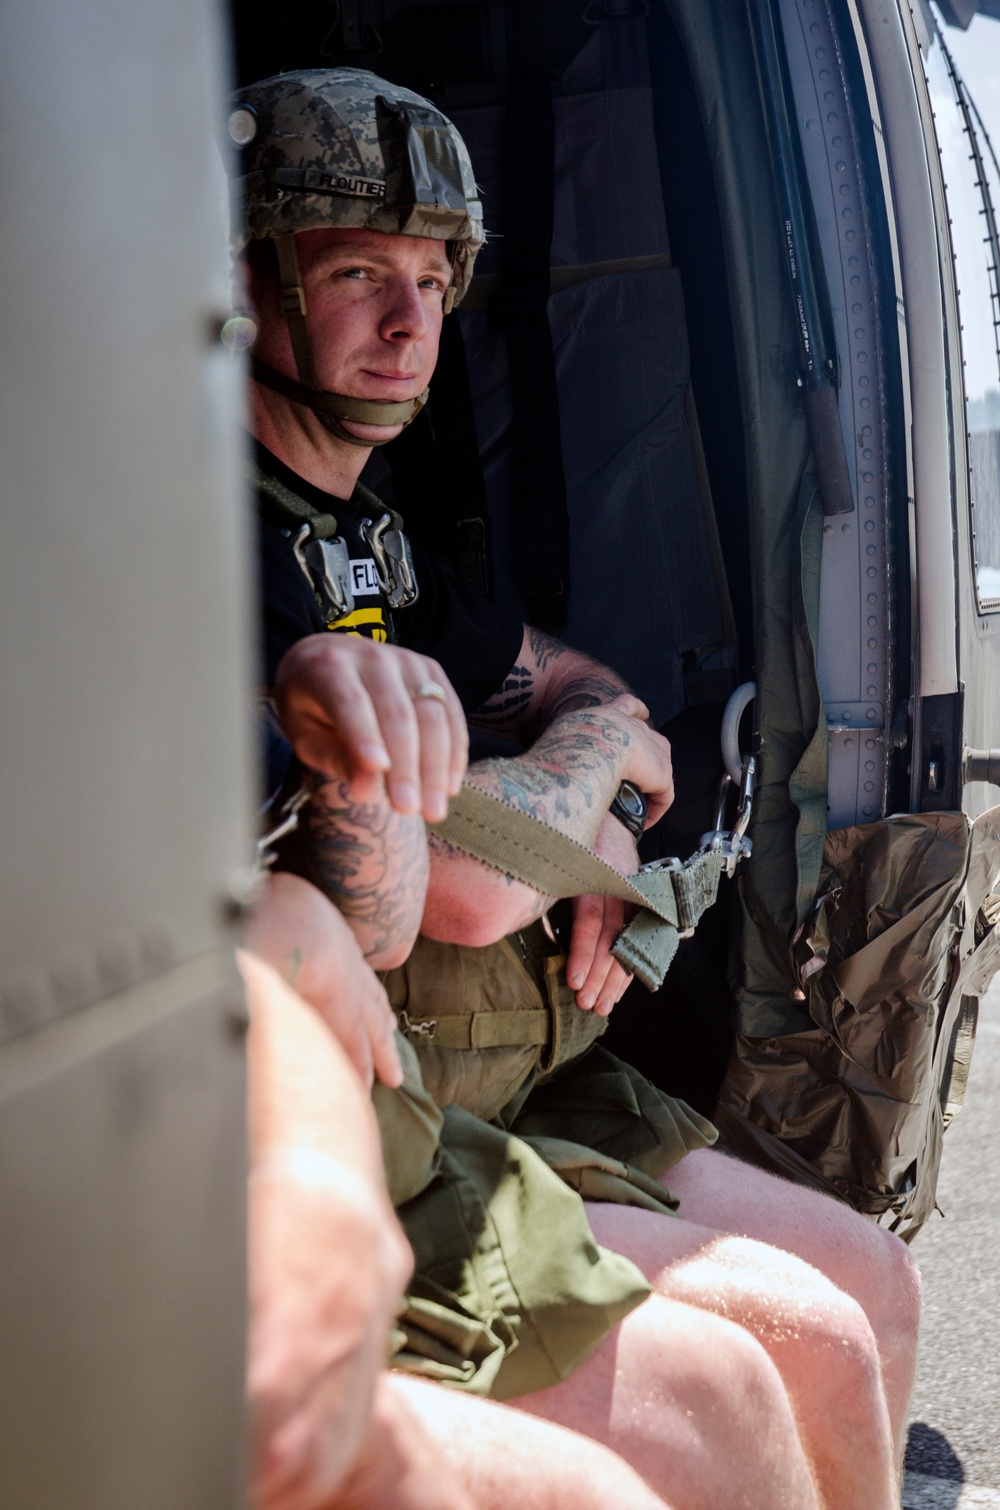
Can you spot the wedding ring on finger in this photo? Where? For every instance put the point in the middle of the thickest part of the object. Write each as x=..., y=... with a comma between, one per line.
x=432, y=690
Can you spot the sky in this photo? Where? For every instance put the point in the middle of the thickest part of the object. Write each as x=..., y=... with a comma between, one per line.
x=977, y=55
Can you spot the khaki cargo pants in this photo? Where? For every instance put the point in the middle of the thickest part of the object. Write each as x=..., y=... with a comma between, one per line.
x=510, y=1116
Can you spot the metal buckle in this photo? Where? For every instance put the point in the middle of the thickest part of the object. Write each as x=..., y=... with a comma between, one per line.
x=288, y=823
x=292, y=301
x=390, y=548
x=733, y=843
x=413, y=1029
x=327, y=565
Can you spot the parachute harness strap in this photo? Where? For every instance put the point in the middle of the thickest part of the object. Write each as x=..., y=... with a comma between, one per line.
x=323, y=526
x=331, y=408
x=671, y=895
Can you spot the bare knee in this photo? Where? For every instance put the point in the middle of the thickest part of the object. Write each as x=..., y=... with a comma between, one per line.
x=837, y=1368
x=505, y=1457
x=728, y=1411
x=902, y=1284
x=750, y=1392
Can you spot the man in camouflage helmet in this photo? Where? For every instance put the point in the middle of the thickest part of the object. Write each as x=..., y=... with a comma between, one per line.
x=360, y=225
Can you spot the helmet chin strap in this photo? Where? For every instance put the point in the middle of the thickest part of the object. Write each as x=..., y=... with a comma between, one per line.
x=331, y=408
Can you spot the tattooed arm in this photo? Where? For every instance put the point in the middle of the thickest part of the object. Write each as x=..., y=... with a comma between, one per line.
x=371, y=862
x=568, y=780
x=548, y=680
x=381, y=752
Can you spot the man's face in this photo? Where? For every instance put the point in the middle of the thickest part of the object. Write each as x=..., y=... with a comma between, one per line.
x=374, y=307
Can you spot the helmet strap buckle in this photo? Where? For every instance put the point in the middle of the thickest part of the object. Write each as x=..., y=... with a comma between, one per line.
x=292, y=301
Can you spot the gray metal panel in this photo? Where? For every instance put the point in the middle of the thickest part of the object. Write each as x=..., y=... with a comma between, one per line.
x=125, y=767
x=854, y=650
x=920, y=219
x=124, y=677
x=121, y=1252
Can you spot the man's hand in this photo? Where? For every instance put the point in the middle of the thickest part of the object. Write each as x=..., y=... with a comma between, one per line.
x=568, y=780
x=649, y=766
x=597, y=978
x=349, y=709
x=591, y=970
x=303, y=936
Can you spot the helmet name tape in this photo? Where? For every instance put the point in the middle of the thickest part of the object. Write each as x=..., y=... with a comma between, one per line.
x=312, y=180
x=369, y=186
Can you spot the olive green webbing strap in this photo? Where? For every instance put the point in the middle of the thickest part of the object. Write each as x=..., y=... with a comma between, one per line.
x=480, y=1030
x=324, y=526
x=671, y=899
x=335, y=406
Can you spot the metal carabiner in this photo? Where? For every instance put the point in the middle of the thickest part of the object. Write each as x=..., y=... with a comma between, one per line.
x=745, y=808
x=327, y=565
x=393, y=561
x=287, y=824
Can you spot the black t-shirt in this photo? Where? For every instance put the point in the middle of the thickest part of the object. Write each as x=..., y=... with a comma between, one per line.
x=475, y=642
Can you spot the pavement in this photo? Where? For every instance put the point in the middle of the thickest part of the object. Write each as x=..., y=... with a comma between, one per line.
x=953, y=1451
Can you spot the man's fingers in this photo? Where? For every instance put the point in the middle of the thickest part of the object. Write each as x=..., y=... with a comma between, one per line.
x=459, y=750
x=588, y=921
x=595, y=986
x=649, y=766
x=614, y=988
x=628, y=703
x=444, y=738
x=327, y=713
x=349, y=708
x=435, y=757
x=385, y=1054
x=386, y=681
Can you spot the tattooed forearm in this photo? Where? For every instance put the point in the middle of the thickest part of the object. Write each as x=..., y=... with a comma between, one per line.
x=567, y=779
x=569, y=776
x=591, y=690
x=371, y=862
x=548, y=680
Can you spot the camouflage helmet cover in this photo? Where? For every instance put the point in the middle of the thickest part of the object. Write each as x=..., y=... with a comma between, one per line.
x=342, y=147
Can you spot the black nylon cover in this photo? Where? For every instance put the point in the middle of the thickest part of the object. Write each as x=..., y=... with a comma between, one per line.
x=643, y=587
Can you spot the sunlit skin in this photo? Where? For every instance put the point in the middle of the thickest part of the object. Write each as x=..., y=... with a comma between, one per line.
x=374, y=307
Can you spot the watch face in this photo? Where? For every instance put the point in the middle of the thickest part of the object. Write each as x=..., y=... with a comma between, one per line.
x=632, y=801
x=630, y=808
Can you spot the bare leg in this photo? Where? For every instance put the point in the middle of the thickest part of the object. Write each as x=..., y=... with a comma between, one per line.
x=695, y=1405
x=818, y=1338
x=505, y=1458
x=399, y=1467
x=869, y=1263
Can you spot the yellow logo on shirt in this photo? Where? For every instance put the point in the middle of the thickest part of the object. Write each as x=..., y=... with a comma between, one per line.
x=358, y=622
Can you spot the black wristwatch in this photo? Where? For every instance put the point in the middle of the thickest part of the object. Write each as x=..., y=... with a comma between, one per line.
x=629, y=807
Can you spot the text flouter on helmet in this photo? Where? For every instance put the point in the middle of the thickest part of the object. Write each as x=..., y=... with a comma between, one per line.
x=342, y=147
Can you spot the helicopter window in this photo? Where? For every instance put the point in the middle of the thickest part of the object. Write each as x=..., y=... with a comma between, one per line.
x=972, y=181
